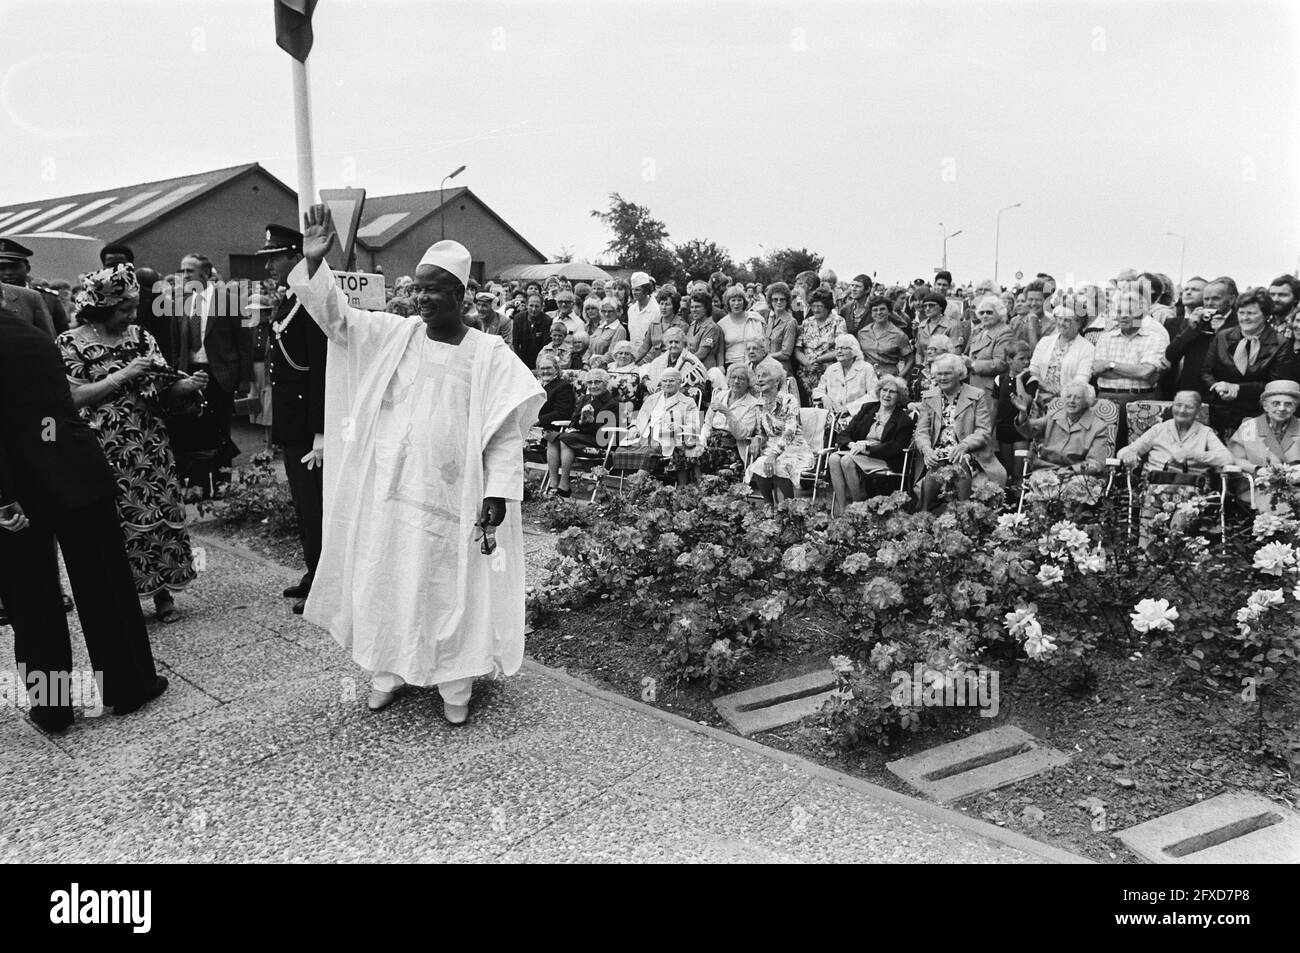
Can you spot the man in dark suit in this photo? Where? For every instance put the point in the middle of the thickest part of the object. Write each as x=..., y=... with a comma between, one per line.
x=56, y=484
x=15, y=272
x=296, y=366
x=210, y=337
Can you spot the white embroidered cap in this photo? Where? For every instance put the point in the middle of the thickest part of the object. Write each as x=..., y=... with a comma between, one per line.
x=451, y=257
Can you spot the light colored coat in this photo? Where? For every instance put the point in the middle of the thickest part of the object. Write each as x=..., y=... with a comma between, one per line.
x=973, y=427
x=1254, y=445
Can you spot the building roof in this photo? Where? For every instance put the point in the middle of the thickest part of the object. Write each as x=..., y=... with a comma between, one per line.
x=573, y=270
x=386, y=218
x=113, y=215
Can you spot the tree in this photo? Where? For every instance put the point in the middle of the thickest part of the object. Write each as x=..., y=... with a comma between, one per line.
x=565, y=256
x=782, y=264
x=700, y=258
x=639, y=241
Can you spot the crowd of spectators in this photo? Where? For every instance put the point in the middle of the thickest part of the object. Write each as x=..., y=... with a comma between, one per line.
x=980, y=382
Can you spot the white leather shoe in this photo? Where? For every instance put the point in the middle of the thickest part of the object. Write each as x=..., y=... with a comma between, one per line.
x=378, y=700
x=456, y=714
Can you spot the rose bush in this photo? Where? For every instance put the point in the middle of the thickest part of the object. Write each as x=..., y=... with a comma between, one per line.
x=715, y=576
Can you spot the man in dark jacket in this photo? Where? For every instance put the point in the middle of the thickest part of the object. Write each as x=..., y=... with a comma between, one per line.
x=296, y=366
x=1187, y=349
x=56, y=484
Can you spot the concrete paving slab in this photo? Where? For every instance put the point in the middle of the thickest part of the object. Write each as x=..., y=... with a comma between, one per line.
x=258, y=666
x=833, y=825
x=282, y=762
x=776, y=704
x=1235, y=828
x=206, y=632
x=982, y=762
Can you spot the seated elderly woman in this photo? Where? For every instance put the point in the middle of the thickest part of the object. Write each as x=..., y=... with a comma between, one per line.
x=560, y=395
x=954, y=434
x=666, y=434
x=597, y=409
x=624, y=374
x=695, y=376
x=1272, y=439
x=1070, y=449
x=1177, y=452
x=874, y=442
x=849, y=382
x=755, y=351
x=578, y=341
x=730, y=421
x=935, y=347
x=780, y=454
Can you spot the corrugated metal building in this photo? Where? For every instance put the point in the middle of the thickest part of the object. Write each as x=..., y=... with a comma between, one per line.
x=220, y=214
x=223, y=214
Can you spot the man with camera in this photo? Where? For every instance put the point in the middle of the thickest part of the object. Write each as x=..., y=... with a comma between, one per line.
x=1208, y=310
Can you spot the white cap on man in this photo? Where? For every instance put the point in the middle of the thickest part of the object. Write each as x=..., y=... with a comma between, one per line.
x=639, y=278
x=452, y=257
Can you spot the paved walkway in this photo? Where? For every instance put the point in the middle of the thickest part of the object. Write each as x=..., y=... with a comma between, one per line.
x=262, y=750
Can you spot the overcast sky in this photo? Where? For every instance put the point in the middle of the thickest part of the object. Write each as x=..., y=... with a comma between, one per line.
x=851, y=128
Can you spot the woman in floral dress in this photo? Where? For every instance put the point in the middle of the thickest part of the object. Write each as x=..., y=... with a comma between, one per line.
x=816, y=345
x=779, y=450
x=120, y=380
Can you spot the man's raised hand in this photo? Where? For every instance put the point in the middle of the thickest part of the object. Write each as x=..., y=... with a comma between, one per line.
x=318, y=235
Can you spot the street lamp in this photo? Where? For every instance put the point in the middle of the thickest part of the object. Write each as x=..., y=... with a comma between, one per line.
x=947, y=236
x=997, y=240
x=1182, y=256
x=442, y=217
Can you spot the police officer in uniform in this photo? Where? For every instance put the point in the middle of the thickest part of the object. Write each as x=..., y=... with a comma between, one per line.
x=15, y=271
x=32, y=306
x=296, y=369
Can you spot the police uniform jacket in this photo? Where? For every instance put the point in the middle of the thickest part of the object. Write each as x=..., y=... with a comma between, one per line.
x=296, y=367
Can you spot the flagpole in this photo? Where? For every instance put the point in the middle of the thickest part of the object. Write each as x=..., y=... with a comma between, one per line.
x=302, y=137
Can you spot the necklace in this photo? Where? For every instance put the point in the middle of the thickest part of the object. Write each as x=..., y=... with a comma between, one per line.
x=100, y=337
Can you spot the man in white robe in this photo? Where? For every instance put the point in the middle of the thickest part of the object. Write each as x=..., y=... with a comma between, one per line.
x=425, y=421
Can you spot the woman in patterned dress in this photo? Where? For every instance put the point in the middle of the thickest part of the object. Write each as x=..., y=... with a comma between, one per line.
x=816, y=345
x=780, y=451
x=730, y=421
x=120, y=380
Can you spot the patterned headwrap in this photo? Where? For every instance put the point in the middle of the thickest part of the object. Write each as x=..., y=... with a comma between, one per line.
x=108, y=288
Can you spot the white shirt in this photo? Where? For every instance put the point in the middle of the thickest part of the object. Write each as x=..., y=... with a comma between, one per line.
x=202, y=301
x=639, y=318
x=573, y=322
x=1076, y=362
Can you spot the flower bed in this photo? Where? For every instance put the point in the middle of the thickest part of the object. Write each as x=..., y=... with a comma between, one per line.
x=1061, y=602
